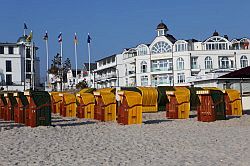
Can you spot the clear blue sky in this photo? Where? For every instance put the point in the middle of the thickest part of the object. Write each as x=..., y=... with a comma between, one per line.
x=117, y=24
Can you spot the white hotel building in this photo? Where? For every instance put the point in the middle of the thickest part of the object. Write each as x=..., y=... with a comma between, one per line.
x=169, y=61
x=19, y=65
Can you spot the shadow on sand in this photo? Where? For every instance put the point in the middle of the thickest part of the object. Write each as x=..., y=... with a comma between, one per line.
x=73, y=124
x=156, y=121
x=10, y=125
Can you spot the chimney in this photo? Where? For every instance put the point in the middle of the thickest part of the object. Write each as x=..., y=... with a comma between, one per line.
x=226, y=37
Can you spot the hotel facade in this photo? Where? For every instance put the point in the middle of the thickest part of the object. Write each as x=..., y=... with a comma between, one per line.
x=168, y=61
x=19, y=65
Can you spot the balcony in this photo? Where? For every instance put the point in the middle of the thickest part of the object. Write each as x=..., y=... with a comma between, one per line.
x=131, y=73
x=195, y=68
x=158, y=82
x=103, y=77
x=161, y=69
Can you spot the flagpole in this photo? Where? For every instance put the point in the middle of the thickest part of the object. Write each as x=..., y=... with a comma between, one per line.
x=47, y=53
x=32, y=66
x=89, y=61
x=24, y=88
x=62, y=65
x=76, y=81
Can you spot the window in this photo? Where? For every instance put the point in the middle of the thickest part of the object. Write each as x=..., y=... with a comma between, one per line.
x=208, y=63
x=1, y=49
x=224, y=63
x=180, y=46
x=9, y=79
x=28, y=66
x=126, y=81
x=243, y=61
x=28, y=55
x=194, y=64
x=143, y=67
x=180, y=64
x=161, y=47
x=216, y=43
x=8, y=66
x=126, y=70
x=162, y=65
x=244, y=43
x=180, y=78
x=11, y=50
x=142, y=50
x=144, y=80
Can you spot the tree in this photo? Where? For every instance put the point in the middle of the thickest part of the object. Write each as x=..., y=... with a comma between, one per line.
x=60, y=69
x=56, y=65
x=66, y=68
x=81, y=85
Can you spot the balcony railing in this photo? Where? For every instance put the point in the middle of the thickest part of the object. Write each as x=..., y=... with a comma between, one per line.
x=195, y=66
x=162, y=69
x=155, y=82
x=106, y=76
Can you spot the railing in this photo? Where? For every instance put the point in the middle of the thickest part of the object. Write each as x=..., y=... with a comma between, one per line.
x=162, y=69
x=155, y=83
x=195, y=66
x=106, y=76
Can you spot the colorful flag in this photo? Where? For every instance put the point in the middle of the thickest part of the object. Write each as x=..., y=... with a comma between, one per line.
x=25, y=26
x=60, y=37
x=29, y=38
x=89, y=38
x=75, y=39
x=45, y=37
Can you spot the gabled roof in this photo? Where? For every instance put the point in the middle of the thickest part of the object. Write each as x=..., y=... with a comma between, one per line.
x=241, y=73
x=171, y=38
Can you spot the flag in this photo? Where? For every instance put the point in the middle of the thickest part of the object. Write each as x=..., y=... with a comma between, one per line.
x=29, y=38
x=89, y=38
x=75, y=39
x=60, y=37
x=25, y=26
x=45, y=37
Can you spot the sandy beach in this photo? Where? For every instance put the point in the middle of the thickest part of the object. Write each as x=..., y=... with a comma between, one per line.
x=158, y=141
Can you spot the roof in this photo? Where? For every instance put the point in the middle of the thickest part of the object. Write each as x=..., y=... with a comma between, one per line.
x=8, y=44
x=216, y=33
x=22, y=39
x=74, y=72
x=241, y=73
x=114, y=55
x=171, y=38
x=191, y=40
x=162, y=26
x=93, y=66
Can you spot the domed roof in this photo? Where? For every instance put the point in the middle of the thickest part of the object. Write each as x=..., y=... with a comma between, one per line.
x=216, y=33
x=162, y=26
x=22, y=39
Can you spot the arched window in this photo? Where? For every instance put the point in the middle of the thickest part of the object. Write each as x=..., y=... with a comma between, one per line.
x=181, y=45
x=180, y=64
x=216, y=43
x=224, y=63
x=208, y=63
x=243, y=61
x=161, y=47
x=144, y=67
x=142, y=50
